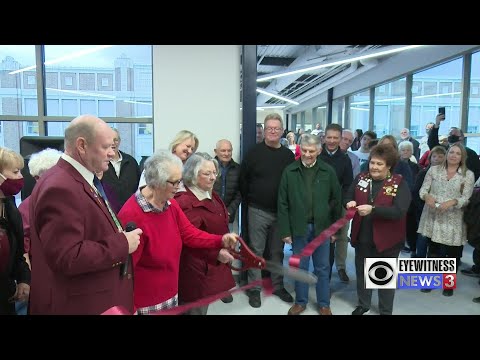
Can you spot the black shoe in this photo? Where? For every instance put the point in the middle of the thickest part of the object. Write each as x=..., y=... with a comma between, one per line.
x=359, y=310
x=284, y=295
x=254, y=299
x=227, y=299
x=447, y=292
x=406, y=249
x=470, y=272
x=476, y=300
x=425, y=290
x=343, y=276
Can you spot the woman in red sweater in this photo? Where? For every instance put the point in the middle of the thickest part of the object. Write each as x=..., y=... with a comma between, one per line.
x=165, y=230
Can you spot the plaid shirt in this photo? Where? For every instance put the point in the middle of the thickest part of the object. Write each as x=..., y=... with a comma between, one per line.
x=173, y=301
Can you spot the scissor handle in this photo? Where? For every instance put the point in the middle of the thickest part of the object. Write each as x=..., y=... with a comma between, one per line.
x=247, y=257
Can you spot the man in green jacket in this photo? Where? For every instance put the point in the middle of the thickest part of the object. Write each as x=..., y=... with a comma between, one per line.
x=309, y=201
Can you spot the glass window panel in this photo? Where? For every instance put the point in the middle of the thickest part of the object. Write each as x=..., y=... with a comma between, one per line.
x=16, y=61
x=69, y=107
x=417, y=88
x=31, y=107
x=390, y=117
x=473, y=127
x=12, y=131
x=120, y=73
x=338, y=111
x=106, y=108
x=88, y=107
x=441, y=89
x=53, y=108
x=360, y=111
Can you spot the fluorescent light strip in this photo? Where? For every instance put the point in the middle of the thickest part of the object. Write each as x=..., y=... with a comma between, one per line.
x=403, y=98
x=63, y=58
x=277, y=96
x=322, y=107
x=360, y=109
x=436, y=95
x=338, y=62
x=136, y=102
x=81, y=93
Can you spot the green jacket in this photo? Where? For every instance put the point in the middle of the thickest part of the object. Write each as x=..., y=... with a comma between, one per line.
x=327, y=198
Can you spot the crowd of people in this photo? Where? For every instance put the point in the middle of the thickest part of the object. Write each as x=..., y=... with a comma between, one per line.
x=97, y=232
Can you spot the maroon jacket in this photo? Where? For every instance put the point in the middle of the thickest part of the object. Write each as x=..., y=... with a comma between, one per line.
x=75, y=248
x=200, y=273
x=386, y=232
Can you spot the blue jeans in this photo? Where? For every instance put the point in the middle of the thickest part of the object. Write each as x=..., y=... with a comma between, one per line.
x=422, y=246
x=321, y=268
x=21, y=307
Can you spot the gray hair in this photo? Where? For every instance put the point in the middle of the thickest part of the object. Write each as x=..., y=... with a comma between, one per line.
x=192, y=167
x=310, y=140
x=42, y=161
x=158, y=168
x=405, y=144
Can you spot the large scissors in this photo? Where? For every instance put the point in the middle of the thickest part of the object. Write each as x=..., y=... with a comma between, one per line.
x=251, y=261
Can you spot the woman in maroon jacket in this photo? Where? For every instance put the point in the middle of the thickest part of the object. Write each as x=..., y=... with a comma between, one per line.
x=203, y=272
x=378, y=228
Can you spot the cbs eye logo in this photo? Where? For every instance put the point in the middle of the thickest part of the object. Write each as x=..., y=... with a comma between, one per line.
x=380, y=273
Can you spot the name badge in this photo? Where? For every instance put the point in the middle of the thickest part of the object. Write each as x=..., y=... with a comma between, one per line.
x=363, y=183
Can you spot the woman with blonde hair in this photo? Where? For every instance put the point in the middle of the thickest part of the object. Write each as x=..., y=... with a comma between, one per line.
x=446, y=190
x=183, y=145
x=14, y=270
x=293, y=146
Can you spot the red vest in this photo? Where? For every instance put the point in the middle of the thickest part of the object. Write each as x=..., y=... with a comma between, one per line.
x=386, y=232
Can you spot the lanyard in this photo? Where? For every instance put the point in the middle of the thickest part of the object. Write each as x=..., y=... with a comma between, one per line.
x=112, y=213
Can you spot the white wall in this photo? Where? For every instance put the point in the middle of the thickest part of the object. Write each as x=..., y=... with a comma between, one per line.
x=197, y=88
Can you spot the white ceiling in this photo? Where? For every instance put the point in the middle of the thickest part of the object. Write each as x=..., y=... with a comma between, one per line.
x=300, y=87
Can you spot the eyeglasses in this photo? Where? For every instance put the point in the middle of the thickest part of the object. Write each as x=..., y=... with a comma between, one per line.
x=116, y=139
x=273, y=129
x=175, y=183
x=209, y=174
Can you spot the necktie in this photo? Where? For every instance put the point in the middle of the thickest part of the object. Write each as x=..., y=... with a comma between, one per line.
x=99, y=186
x=101, y=192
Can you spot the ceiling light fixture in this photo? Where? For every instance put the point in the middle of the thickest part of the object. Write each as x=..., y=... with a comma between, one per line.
x=82, y=93
x=277, y=96
x=63, y=58
x=338, y=62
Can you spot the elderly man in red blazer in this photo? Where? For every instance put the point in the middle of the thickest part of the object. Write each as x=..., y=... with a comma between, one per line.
x=78, y=246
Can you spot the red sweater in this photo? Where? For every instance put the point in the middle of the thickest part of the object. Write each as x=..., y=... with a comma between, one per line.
x=157, y=258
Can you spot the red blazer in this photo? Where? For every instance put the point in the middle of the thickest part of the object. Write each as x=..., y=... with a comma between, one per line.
x=75, y=248
x=200, y=273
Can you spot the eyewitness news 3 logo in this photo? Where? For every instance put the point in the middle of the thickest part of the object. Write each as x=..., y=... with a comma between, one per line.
x=396, y=273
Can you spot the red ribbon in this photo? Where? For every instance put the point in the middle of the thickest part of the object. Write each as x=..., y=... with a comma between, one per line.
x=322, y=237
x=267, y=290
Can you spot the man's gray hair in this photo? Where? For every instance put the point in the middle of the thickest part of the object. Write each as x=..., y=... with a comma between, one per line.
x=310, y=140
x=42, y=161
x=158, y=168
x=192, y=167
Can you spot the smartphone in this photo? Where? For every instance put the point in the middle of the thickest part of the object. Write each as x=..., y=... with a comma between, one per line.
x=441, y=110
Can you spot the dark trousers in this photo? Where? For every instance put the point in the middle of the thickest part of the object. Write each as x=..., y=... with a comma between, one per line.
x=385, y=296
x=412, y=227
x=7, y=289
x=437, y=250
